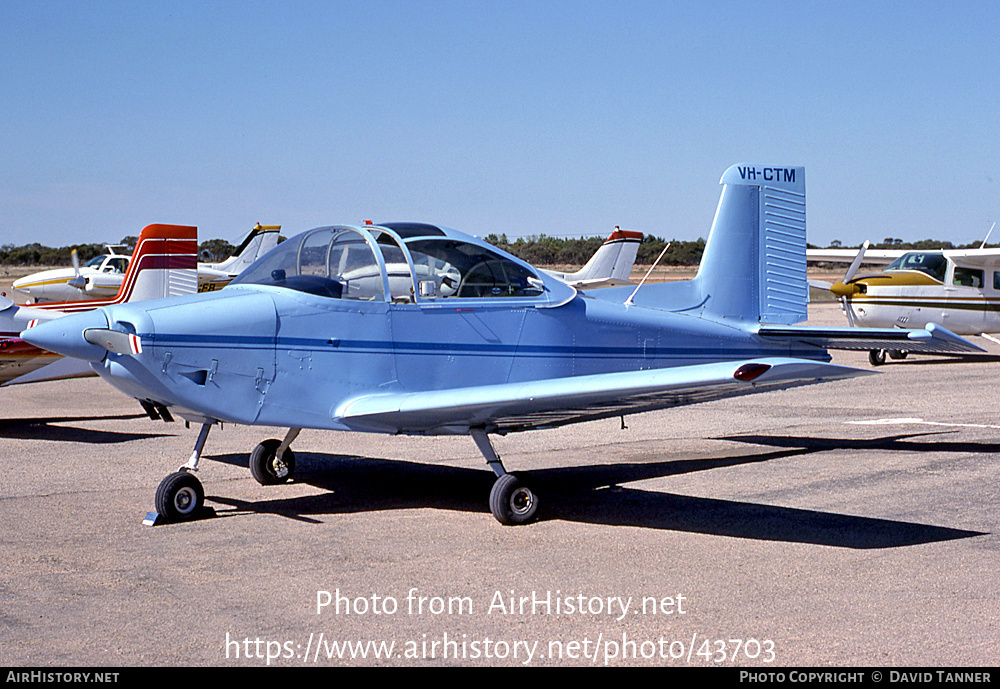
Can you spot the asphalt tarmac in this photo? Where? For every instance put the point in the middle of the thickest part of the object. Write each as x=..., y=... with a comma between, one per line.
x=847, y=524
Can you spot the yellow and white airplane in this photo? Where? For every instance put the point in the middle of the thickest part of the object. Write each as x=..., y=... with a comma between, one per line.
x=956, y=288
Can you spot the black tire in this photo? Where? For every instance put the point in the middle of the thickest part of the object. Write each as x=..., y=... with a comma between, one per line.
x=266, y=468
x=511, y=502
x=898, y=353
x=180, y=497
x=876, y=357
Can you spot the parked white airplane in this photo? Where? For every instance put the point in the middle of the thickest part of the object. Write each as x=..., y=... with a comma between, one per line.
x=98, y=278
x=101, y=277
x=610, y=265
x=956, y=288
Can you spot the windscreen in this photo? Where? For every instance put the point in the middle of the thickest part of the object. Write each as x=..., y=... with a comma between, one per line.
x=329, y=262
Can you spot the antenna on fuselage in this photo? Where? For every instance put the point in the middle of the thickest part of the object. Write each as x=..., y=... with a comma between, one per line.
x=983, y=245
x=628, y=302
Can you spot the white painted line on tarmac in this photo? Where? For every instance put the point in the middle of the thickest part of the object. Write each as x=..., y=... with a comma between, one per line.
x=908, y=420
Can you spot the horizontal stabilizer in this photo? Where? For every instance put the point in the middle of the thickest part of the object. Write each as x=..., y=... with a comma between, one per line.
x=549, y=403
x=932, y=340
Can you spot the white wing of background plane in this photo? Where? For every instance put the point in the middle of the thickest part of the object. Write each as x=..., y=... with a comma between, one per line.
x=969, y=257
x=977, y=258
x=876, y=256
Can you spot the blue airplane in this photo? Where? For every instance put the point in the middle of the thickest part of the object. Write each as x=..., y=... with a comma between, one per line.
x=409, y=328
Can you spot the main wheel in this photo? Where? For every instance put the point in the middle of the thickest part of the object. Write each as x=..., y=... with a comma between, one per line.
x=268, y=469
x=898, y=353
x=180, y=496
x=876, y=357
x=511, y=502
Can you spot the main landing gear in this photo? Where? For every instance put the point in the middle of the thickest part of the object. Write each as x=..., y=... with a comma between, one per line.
x=180, y=496
x=273, y=462
x=511, y=502
x=876, y=357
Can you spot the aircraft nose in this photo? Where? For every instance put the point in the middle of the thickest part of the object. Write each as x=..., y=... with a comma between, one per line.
x=844, y=290
x=66, y=335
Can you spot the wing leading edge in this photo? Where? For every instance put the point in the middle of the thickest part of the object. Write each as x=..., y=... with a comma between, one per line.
x=549, y=403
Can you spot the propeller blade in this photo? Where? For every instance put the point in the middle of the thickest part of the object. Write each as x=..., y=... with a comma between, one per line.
x=114, y=341
x=856, y=264
x=78, y=280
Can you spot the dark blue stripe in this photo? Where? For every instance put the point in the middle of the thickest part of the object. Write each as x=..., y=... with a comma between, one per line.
x=467, y=349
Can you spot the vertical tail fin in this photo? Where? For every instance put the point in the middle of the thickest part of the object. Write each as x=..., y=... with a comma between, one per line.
x=614, y=258
x=262, y=238
x=164, y=264
x=754, y=265
x=610, y=265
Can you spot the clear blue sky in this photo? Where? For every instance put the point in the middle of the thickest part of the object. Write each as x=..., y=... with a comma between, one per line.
x=512, y=116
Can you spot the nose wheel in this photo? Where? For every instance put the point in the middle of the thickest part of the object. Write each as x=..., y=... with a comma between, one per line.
x=180, y=497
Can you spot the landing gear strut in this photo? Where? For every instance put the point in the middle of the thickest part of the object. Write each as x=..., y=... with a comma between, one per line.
x=180, y=497
x=511, y=502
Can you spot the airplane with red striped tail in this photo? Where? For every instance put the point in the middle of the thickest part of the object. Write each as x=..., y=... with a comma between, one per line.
x=164, y=264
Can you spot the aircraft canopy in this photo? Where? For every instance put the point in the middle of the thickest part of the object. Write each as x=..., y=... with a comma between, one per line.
x=418, y=263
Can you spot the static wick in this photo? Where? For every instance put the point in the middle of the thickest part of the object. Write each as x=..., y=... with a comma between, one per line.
x=628, y=302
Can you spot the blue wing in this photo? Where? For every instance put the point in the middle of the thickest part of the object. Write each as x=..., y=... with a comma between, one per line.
x=545, y=404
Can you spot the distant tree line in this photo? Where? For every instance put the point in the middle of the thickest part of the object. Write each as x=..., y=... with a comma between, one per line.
x=536, y=249
x=545, y=250
x=35, y=254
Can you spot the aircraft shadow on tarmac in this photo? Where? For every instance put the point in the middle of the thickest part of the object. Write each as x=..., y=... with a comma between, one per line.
x=51, y=428
x=590, y=494
x=939, y=359
x=903, y=442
